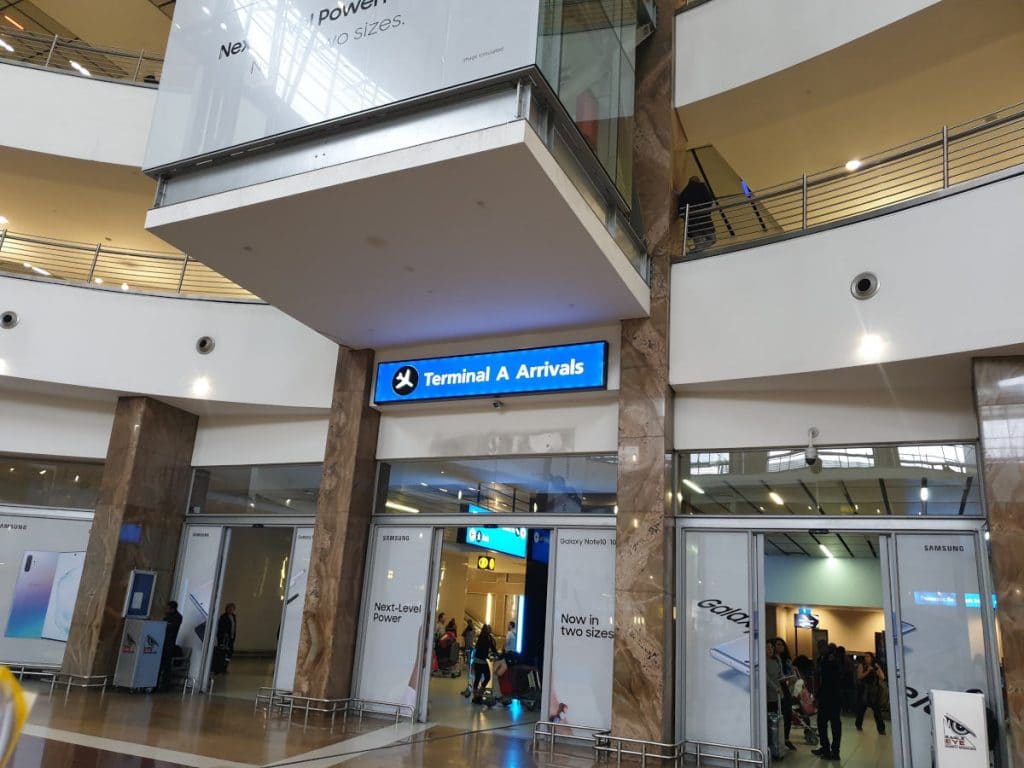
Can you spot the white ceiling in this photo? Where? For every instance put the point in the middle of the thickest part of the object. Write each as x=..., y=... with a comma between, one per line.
x=491, y=241
x=952, y=62
x=129, y=25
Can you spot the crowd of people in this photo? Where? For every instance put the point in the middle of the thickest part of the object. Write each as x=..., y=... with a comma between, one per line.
x=478, y=647
x=830, y=683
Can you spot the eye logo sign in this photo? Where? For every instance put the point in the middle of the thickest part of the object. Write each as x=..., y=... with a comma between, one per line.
x=405, y=380
x=957, y=735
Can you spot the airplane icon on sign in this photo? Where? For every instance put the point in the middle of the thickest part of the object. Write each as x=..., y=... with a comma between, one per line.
x=405, y=380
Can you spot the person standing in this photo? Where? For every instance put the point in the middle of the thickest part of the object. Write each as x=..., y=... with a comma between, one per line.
x=172, y=619
x=227, y=629
x=830, y=702
x=510, y=638
x=871, y=678
x=785, y=681
x=700, y=228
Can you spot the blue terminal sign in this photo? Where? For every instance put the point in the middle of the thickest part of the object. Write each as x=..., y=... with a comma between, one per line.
x=567, y=368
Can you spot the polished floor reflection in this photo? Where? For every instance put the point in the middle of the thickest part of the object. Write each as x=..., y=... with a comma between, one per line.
x=860, y=749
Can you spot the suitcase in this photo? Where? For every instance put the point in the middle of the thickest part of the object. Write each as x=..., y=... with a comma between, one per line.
x=219, y=664
x=775, y=734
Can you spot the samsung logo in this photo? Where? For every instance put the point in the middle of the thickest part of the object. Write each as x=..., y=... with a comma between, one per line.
x=943, y=548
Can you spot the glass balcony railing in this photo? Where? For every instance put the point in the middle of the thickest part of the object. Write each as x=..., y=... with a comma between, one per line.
x=117, y=269
x=79, y=58
x=864, y=187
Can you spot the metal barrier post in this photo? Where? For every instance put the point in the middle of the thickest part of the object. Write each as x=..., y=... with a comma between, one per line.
x=3, y=236
x=945, y=157
x=95, y=258
x=49, y=54
x=803, y=202
x=138, y=65
x=181, y=279
x=686, y=226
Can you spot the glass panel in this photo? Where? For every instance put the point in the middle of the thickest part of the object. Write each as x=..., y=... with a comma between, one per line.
x=943, y=631
x=278, y=489
x=50, y=482
x=585, y=50
x=548, y=485
x=717, y=617
x=918, y=480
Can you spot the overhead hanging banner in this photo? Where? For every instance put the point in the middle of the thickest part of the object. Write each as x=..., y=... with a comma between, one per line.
x=235, y=73
x=571, y=367
x=583, y=636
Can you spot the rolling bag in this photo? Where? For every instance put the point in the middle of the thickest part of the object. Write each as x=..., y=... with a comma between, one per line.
x=775, y=734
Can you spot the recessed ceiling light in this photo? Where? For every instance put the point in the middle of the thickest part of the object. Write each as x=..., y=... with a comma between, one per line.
x=6, y=46
x=42, y=471
x=853, y=165
x=4, y=221
x=871, y=348
x=826, y=550
x=77, y=478
x=776, y=498
x=124, y=286
x=14, y=23
x=98, y=280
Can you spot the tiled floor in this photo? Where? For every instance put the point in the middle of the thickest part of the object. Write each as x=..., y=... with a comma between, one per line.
x=860, y=749
x=118, y=730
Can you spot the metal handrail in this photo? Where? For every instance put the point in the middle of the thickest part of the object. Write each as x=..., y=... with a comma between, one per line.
x=605, y=743
x=80, y=58
x=118, y=269
x=954, y=155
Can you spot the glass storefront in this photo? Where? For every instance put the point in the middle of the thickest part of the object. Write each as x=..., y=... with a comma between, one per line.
x=66, y=484
x=891, y=480
x=542, y=485
x=290, y=489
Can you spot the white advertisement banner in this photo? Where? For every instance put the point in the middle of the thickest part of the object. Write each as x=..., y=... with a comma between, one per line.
x=717, y=637
x=195, y=590
x=582, y=638
x=960, y=730
x=943, y=626
x=238, y=71
x=395, y=613
x=295, y=602
x=41, y=560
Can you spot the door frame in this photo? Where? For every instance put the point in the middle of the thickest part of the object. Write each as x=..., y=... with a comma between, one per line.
x=886, y=528
x=436, y=524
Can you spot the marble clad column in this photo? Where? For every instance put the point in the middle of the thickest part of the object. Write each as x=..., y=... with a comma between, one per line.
x=999, y=395
x=330, y=620
x=642, y=690
x=144, y=491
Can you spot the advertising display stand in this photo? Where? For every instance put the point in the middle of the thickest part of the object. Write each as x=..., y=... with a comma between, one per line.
x=959, y=730
x=138, y=660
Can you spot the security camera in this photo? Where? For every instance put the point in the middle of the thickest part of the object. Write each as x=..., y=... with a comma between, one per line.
x=205, y=345
x=8, y=319
x=498, y=404
x=810, y=452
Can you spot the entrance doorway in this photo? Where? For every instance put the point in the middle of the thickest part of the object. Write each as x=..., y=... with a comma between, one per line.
x=825, y=629
x=259, y=570
x=494, y=580
x=914, y=600
x=249, y=610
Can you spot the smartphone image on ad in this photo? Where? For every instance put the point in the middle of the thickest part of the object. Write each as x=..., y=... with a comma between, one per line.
x=735, y=654
x=67, y=577
x=32, y=594
x=296, y=586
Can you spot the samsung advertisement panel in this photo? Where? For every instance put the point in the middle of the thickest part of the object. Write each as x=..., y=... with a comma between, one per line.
x=237, y=72
x=567, y=368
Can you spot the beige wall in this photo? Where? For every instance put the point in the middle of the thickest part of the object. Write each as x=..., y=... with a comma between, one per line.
x=853, y=628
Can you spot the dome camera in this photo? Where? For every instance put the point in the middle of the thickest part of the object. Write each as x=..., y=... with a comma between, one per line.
x=864, y=286
x=205, y=345
x=8, y=319
x=810, y=452
x=499, y=404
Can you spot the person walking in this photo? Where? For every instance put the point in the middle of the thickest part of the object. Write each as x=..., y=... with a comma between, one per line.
x=871, y=678
x=485, y=647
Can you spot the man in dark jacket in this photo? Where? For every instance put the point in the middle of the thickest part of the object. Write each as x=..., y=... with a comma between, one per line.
x=700, y=228
x=830, y=703
x=173, y=620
